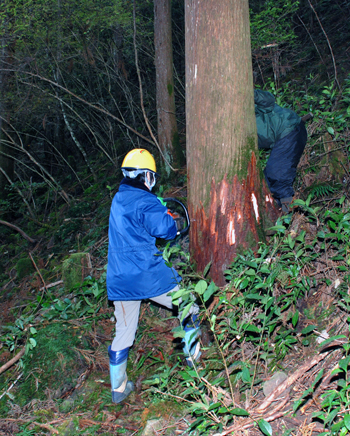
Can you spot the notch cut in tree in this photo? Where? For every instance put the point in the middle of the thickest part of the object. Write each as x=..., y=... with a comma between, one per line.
x=228, y=198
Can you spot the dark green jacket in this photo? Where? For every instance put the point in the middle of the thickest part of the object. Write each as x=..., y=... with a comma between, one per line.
x=272, y=121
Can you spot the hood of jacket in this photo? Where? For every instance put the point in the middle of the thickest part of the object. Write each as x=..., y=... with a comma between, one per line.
x=264, y=101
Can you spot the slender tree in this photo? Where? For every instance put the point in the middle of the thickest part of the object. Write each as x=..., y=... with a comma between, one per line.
x=168, y=136
x=227, y=196
x=6, y=152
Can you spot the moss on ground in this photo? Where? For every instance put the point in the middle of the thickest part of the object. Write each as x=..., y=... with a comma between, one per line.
x=51, y=369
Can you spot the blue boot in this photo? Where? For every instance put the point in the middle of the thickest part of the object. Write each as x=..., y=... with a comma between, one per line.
x=192, y=349
x=121, y=387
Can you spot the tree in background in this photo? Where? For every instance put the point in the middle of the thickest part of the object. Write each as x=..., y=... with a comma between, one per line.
x=227, y=196
x=6, y=151
x=168, y=136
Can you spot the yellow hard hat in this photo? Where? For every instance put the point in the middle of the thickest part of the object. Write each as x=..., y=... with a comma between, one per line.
x=140, y=159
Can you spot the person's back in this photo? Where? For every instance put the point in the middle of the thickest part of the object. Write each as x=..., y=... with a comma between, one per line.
x=136, y=269
x=283, y=131
x=273, y=121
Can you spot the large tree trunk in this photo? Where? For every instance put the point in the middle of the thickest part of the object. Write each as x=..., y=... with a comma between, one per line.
x=168, y=136
x=227, y=195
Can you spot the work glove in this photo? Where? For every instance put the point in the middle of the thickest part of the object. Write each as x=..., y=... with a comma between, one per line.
x=179, y=221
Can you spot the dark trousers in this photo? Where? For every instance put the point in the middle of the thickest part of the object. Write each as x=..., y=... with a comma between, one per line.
x=281, y=167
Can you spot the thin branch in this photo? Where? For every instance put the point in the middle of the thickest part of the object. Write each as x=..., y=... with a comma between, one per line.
x=12, y=226
x=106, y=112
x=19, y=192
x=290, y=380
x=35, y=266
x=329, y=45
x=12, y=361
x=77, y=143
x=21, y=147
x=307, y=30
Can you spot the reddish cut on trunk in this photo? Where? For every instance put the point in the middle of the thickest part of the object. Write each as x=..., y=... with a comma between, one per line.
x=233, y=221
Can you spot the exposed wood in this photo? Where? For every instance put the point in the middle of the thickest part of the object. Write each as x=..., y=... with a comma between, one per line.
x=51, y=285
x=12, y=226
x=226, y=192
x=233, y=222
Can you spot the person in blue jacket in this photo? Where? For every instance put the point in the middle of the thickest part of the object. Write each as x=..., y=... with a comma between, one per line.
x=136, y=269
x=282, y=131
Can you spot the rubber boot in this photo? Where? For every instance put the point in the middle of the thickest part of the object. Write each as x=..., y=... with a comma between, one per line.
x=192, y=349
x=121, y=387
x=286, y=204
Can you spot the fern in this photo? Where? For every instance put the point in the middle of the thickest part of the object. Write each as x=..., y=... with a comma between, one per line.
x=26, y=432
x=321, y=190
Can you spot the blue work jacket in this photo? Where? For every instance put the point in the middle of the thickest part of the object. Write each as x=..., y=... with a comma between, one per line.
x=136, y=269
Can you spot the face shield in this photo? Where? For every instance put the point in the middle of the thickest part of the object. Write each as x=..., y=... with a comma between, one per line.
x=150, y=176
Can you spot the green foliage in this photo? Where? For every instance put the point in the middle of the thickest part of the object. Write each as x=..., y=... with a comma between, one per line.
x=271, y=23
x=258, y=310
x=24, y=267
x=73, y=269
x=321, y=190
x=52, y=361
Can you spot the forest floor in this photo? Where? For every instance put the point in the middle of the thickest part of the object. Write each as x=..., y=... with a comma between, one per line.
x=61, y=385
x=77, y=400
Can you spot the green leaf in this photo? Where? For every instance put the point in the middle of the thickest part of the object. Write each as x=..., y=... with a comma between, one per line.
x=332, y=415
x=239, y=412
x=206, y=269
x=265, y=427
x=246, y=375
x=330, y=130
x=347, y=421
x=344, y=363
x=185, y=311
x=318, y=378
x=201, y=287
x=278, y=227
x=244, y=283
x=32, y=342
x=196, y=406
x=178, y=293
x=253, y=297
x=333, y=338
x=252, y=264
x=178, y=332
x=214, y=406
x=209, y=292
x=295, y=318
x=251, y=328
x=308, y=329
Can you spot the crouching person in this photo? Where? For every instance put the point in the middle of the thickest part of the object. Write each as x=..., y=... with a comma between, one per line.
x=282, y=131
x=136, y=269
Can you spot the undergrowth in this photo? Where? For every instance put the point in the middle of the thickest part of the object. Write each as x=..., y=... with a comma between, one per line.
x=255, y=323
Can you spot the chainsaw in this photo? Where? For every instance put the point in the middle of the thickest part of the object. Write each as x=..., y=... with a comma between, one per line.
x=179, y=212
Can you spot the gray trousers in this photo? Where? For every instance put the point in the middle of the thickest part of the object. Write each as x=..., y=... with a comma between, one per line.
x=127, y=318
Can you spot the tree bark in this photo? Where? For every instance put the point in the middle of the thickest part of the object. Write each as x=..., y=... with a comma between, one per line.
x=168, y=136
x=228, y=198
